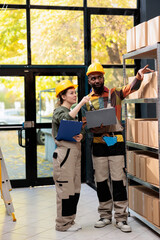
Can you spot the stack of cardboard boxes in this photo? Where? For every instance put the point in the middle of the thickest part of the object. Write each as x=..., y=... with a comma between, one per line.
x=143, y=131
x=144, y=34
x=148, y=88
x=145, y=202
x=143, y=164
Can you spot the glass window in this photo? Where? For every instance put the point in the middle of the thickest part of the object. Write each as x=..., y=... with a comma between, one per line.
x=13, y=40
x=46, y=100
x=57, y=37
x=45, y=153
x=58, y=2
x=13, y=154
x=11, y=100
x=108, y=38
x=12, y=2
x=114, y=76
x=112, y=3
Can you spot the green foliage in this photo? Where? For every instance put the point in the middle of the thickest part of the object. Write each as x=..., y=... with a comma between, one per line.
x=13, y=37
x=113, y=3
x=12, y=91
x=58, y=2
x=57, y=37
x=108, y=38
x=114, y=77
x=12, y=2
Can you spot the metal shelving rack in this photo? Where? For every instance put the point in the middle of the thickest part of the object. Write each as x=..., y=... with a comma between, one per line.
x=149, y=52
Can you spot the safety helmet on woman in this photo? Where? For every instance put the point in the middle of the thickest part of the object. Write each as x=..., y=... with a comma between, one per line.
x=63, y=85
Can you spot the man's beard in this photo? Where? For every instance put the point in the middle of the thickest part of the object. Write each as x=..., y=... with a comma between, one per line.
x=98, y=90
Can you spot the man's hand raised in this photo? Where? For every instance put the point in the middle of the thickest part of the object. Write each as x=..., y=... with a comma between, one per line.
x=140, y=74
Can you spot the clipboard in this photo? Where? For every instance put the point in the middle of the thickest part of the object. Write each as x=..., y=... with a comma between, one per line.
x=105, y=116
x=68, y=129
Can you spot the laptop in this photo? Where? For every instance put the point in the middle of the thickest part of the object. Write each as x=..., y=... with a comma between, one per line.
x=105, y=116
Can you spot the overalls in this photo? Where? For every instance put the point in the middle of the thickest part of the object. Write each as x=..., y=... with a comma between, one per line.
x=110, y=177
x=67, y=178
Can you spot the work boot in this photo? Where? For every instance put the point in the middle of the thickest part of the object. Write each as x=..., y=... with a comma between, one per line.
x=102, y=222
x=123, y=226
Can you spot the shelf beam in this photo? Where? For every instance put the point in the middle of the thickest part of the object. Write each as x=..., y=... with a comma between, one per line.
x=149, y=52
x=144, y=220
x=141, y=100
x=142, y=147
x=140, y=181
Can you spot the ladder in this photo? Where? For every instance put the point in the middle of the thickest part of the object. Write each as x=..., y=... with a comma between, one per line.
x=5, y=188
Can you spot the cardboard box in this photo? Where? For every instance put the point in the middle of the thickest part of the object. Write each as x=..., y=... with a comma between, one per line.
x=153, y=30
x=131, y=197
x=141, y=35
x=139, y=202
x=137, y=160
x=135, y=94
x=150, y=208
x=140, y=132
x=145, y=134
x=131, y=39
x=153, y=133
x=131, y=163
x=145, y=202
x=156, y=211
x=149, y=86
x=154, y=87
x=140, y=167
x=134, y=129
x=153, y=212
x=130, y=132
x=146, y=86
x=143, y=167
x=152, y=170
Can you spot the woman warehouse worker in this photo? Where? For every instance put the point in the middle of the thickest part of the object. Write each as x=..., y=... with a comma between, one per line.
x=67, y=159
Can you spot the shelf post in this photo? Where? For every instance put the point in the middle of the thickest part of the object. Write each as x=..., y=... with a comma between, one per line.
x=158, y=106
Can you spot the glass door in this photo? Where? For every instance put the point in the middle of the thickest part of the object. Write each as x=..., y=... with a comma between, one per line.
x=46, y=102
x=27, y=100
x=46, y=81
x=12, y=115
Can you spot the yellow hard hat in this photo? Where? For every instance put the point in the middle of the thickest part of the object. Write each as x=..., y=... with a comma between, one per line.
x=63, y=85
x=95, y=67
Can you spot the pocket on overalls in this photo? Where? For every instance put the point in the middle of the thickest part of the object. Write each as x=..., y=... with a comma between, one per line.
x=63, y=189
x=60, y=157
x=65, y=158
x=55, y=166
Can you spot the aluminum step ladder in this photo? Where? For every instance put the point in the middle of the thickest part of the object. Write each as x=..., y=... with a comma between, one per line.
x=5, y=188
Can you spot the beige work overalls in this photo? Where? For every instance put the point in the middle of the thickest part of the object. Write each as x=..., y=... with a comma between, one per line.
x=111, y=181
x=67, y=178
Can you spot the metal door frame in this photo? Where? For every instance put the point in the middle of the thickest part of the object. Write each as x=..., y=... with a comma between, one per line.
x=29, y=75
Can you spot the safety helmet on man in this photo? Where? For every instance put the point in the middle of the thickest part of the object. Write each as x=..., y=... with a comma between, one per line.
x=63, y=85
x=95, y=67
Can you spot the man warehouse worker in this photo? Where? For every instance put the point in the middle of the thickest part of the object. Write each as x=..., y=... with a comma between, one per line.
x=108, y=160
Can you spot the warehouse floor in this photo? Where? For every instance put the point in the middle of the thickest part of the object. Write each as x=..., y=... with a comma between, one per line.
x=35, y=211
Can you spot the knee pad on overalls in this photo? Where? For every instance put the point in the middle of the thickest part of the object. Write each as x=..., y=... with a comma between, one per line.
x=119, y=191
x=69, y=206
x=103, y=191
